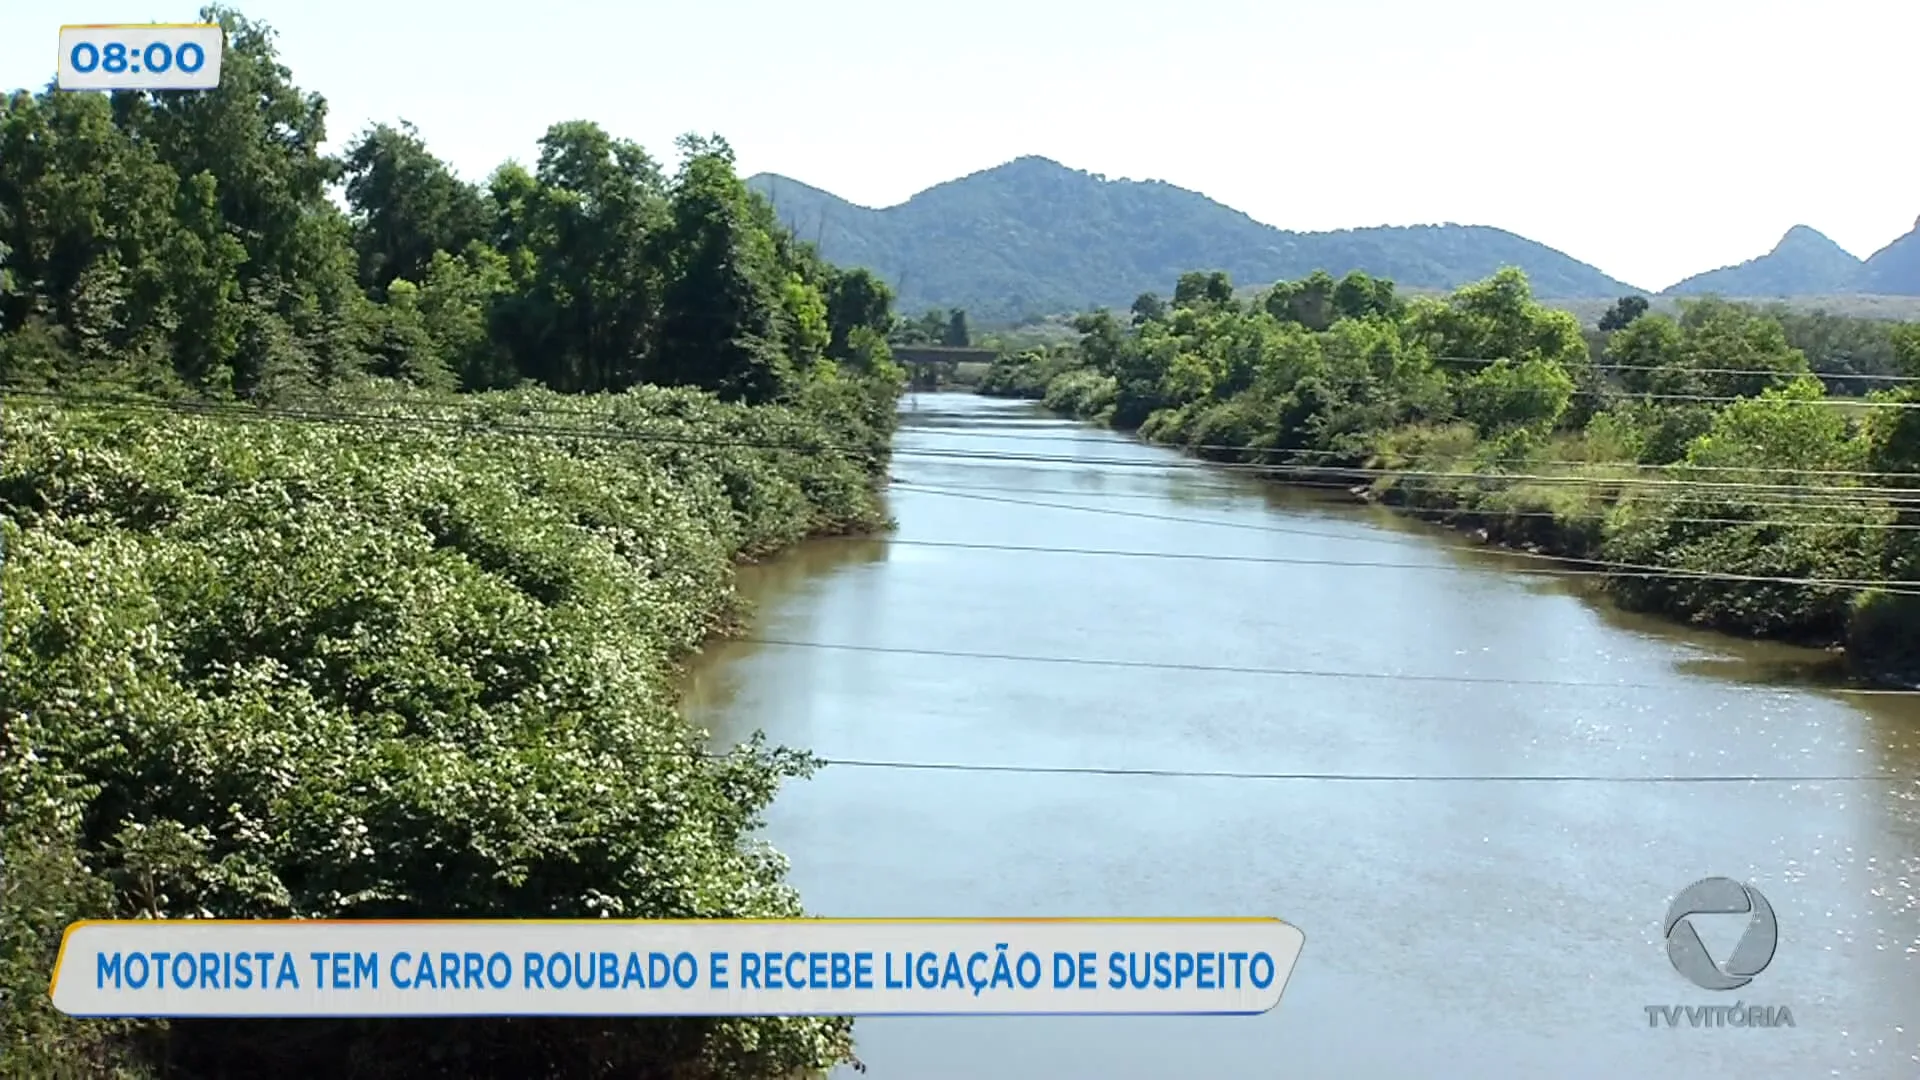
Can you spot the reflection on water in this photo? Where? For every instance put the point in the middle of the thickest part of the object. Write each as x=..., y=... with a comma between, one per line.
x=1455, y=928
x=712, y=683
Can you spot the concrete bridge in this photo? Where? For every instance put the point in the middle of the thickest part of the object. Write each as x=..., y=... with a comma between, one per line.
x=930, y=365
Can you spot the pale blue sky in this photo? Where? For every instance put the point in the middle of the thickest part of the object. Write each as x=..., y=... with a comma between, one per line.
x=1652, y=138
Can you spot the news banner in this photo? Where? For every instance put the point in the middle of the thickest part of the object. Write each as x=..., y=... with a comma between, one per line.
x=605, y=967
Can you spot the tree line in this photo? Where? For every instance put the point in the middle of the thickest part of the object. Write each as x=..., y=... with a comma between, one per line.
x=1702, y=443
x=188, y=241
x=352, y=550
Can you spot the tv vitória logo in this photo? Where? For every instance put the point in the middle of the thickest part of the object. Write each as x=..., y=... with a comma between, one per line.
x=1721, y=896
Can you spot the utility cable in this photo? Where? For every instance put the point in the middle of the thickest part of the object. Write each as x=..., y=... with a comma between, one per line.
x=897, y=764
x=506, y=411
x=1242, y=493
x=1224, y=448
x=1346, y=777
x=246, y=412
x=1621, y=568
x=1580, y=566
x=1605, y=569
x=1294, y=673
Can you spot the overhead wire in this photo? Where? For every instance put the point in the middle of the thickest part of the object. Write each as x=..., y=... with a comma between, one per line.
x=1618, y=568
x=1305, y=452
x=1336, y=777
x=497, y=412
x=1570, y=565
x=1289, y=672
x=1223, y=448
x=1784, y=491
x=1776, y=373
x=411, y=420
x=495, y=426
x=1603, y=569
x=1500, y=513
x=1375, y=473
x=1833, y=376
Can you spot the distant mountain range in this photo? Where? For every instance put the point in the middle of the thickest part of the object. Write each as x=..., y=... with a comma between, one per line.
x=1806, y=263
x=1033, y=237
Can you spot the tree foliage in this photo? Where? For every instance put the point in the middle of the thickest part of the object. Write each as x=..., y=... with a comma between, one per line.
x=188, y=237
x=1622, y=313
x=417, y=660
x=1472, y=404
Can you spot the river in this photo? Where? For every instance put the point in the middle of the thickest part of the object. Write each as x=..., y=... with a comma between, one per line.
x=1456, y=927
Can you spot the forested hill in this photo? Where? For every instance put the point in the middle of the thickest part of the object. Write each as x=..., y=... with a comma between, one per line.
x=1806, y=263
x=1803, y=262
x=1034, y=237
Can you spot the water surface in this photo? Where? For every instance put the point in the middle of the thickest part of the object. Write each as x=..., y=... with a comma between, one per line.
x=1455, y=927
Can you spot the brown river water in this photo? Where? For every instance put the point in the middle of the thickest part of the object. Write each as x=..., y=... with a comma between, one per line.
x=1457, y=926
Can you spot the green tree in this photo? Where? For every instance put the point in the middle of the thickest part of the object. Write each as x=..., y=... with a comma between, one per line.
x=458, y=301
x=856, y=299
x=1502, y=396
x=956, y=334
x=1203, y=288
x=1148, y=307
x=1359, y=296
x=721, y=304
x=1101, y=340
x=1498, y=319
x=1622, y=314
x=1308, y=302
x=587, y=238
x=407, y=205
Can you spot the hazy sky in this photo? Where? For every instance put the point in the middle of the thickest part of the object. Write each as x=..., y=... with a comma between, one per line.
x=1652, y=139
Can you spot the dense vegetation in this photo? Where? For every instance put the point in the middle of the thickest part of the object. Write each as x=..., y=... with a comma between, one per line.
x=1033, y=238
x=350, y=555
x=1701, y=443
x=945, y=329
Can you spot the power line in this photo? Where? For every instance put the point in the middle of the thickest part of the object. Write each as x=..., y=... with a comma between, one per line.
x=1141, y=515
x=1364, y=473
x=964, y=492
x=895, y=764
x=1312, y=453
x=1375, y=472
x=1355, y=778
x=1599, y=569
x=1610, y=394
x=1777, y=373
x=1758, y=372
x=1620, y=568
x=1155, y=496
x=1584, y=566
x=493, y=407
x=1302, y=673
x=251, y=413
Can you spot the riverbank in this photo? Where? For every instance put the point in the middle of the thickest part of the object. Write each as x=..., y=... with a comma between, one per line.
x=1270, y=657
x=1741, y=500
x=1877, y=634
x=403, y=656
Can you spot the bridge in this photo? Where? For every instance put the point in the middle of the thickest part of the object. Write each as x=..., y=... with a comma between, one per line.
x=931, y=365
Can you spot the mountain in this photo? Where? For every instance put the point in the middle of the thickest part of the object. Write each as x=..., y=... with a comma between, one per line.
x=1034, y=237
x=1803, y=263
x=1894, y=270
